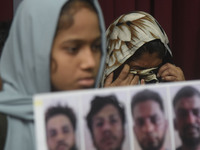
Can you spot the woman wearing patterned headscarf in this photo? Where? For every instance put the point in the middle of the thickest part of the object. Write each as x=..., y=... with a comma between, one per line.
x=138, y=52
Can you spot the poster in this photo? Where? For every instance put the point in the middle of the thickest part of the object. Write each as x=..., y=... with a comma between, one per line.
x=121, y=118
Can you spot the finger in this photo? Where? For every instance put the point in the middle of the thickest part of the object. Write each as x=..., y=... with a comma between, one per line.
x=124, y=73
x=142, y=82
x=169, y=72
x=169, y=78
x=135, y=80
x=108, y=80
x=124, y=82
x=164, y=68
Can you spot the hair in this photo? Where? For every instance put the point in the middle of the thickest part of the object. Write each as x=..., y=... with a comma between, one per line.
x=68, y=11
x=61, y=110
x=101, y=101
x=144, y=96
x=154, y=46
x=187, y=91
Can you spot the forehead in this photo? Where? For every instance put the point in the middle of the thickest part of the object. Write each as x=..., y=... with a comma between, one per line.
x=146, y=60
x=147, y=108
x=58, y=120
x=188, y=103
x=107, y=111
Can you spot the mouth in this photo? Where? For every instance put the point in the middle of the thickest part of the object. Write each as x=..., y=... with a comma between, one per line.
x=61, y=147
x=87, y=82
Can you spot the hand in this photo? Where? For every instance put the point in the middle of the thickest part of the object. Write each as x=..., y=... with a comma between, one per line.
x=124, y=78
x=169, y=72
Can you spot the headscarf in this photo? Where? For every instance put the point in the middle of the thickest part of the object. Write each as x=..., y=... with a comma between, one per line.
x=127, y=34
x=25, y=66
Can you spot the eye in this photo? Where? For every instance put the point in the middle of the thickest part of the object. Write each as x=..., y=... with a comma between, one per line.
x=182, y=113
x=113, y=120
x=196, y=112
x=140, y=122
x=52, y=133
x=98, y=123
x=155, y=119
x=71, y=49
x=66, y=129
x=96, y=47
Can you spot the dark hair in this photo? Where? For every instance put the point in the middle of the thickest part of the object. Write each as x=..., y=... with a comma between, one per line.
x=154, y=46
x=98, y=103
x=144, y=96
x=61, y=110
x=187, y=91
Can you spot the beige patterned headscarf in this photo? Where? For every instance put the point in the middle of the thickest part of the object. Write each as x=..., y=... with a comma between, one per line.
x=127, y=34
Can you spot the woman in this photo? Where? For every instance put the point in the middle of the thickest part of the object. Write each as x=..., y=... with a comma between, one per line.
x=138, y=52
x=46, y=51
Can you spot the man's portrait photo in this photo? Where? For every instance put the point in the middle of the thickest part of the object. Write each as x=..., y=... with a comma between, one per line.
x=106, y=121
x=186, y=106
x=60, y=128
x=150, y=124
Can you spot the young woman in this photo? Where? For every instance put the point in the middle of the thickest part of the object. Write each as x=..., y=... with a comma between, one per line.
x=52, y=46
x=138, y=52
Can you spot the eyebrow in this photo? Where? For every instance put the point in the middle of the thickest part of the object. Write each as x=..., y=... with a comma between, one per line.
x=80, y=41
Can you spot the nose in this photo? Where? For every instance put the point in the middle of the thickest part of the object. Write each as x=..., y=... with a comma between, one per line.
x=191, y=117
x=106, y=126
x=88, y=59
x=60, y=137
x=148, y=126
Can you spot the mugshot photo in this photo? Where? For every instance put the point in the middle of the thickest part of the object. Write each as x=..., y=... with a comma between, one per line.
x=60, y=127
x=150, y=116
x=106, y=123
x=185, y=101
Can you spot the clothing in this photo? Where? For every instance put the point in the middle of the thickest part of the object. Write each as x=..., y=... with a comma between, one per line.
x=127, y=34
x=179, y=148
x=25, y=66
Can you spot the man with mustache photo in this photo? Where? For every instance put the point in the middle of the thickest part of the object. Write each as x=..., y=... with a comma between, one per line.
x=150, y=123
x=60, y=128
x=105, y=121
x=186, y=104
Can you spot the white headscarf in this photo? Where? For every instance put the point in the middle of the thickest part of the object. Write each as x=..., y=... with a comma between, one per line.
x=127, y=34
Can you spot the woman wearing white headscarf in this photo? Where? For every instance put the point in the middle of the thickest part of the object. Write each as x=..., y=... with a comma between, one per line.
x=138, y=52
x=53, y=45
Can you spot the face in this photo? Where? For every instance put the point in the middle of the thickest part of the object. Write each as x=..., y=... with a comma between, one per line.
x=187, y=121
x=60, y=133
x=108, y=132
x=145, y=62
x=76, y=53
x=149, y=125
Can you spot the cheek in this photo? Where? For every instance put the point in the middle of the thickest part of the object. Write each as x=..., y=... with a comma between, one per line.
x=161, y=129
x=53, y=65
x=71, y=139
x=97, y=134
x=51, y=142
x=97, y=58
